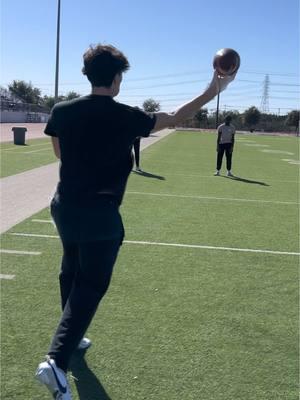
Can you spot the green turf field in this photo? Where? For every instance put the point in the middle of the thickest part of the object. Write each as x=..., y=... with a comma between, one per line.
x=16, y=159
x=180, y=322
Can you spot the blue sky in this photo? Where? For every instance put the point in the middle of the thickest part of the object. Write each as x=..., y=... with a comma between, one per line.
x=170, y=46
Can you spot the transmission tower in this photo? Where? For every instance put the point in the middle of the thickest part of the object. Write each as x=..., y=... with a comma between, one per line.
x=265, y=96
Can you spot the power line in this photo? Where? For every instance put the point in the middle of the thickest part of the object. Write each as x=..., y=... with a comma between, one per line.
x=187, y=73
x=287, y=74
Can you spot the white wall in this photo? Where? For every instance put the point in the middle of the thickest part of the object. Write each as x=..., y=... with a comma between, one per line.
x=13, y=116
x=20, y=116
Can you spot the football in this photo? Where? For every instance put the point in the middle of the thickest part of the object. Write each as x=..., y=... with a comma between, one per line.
x=226, y=61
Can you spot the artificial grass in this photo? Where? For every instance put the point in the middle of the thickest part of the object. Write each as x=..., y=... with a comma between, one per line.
x=16, y=158
x=176, y=323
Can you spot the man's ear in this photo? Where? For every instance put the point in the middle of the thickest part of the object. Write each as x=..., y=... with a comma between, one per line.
x=117, y=78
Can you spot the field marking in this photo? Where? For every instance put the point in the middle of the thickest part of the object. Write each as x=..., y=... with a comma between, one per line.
x=30, y=253
x=27, y=146
x=35, y=151
x=256, y=145
x=291, y=161
x=196, y=246
x=48, y=221
x=277, y=152
x=193, y=246
x=245, y=140
x=213, y=198
x=3, y=276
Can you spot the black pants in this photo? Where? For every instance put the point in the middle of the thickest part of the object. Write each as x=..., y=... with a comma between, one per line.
x=227, y=148
x=136, y=148
x=86, y=270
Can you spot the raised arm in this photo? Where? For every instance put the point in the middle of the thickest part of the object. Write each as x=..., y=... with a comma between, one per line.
x=189, y=109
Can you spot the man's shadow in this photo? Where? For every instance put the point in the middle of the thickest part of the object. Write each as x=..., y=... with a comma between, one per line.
x=149, y=175
x=87, y=384
x=237, y=178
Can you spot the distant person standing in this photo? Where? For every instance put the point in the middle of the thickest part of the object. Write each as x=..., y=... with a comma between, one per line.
x=225, y=143
x=136, y=151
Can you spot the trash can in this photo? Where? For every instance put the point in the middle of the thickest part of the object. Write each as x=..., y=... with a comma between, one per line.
x=19, y=134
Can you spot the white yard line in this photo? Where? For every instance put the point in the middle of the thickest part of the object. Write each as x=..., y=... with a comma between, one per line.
x=27, y=147
x=3, y=276
x=212, y=198
x=34, y=235
x=256, y=145
x=30, y=253
x=277, y=152
x=46, y=221
x=193, y=246
x=35, y=151
x=291, y=161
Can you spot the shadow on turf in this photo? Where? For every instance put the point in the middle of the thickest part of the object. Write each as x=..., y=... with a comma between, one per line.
x=149, y=175
x=237, y=178
x=87, y=384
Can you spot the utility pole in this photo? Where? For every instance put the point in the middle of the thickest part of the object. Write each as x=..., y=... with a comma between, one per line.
x=57, y=52
x=217, y=112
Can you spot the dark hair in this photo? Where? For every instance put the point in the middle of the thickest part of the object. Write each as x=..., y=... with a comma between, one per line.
x=102, y=63
x=228, y=119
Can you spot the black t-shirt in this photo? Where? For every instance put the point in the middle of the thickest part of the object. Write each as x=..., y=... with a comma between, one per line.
x=96, y=135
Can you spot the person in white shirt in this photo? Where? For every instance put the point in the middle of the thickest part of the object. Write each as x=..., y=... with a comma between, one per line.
x=225, y=144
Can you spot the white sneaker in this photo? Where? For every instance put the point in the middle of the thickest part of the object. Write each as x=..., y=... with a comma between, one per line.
x=217, y=173
x=54, y=379
x=229, y=173
x=84, y=344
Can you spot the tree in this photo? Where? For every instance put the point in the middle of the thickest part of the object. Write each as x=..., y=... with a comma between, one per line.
x=251, y=117
x=201, y=116
x=25, y=91
x=71, y=95
x=49, y=101
x=292, y=119
x=151, y=105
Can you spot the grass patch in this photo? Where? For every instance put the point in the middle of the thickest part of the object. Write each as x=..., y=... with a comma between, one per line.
x=16, y=159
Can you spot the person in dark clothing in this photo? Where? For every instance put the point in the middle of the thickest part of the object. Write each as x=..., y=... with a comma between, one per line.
x=136, y=152
x=225, y=143
x=93, y=138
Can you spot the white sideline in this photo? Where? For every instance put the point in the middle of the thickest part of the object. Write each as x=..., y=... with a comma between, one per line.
x=36, y=151
x=3, y=276
x=213, y=198
x=196, y=246
x=193, y=246
x=30, y=253
x=29, y=146
x=48, y=221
